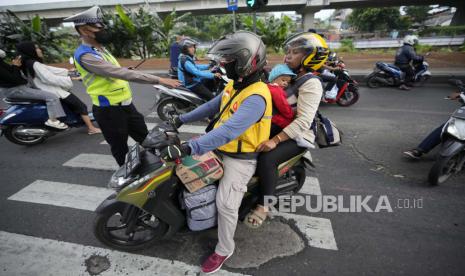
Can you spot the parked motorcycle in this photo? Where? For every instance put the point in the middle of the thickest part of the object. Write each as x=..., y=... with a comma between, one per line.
x=347, y=93
x=146, y=207
x=385, y=74
x=23, y=122
x=184, y=100
x=451, y=156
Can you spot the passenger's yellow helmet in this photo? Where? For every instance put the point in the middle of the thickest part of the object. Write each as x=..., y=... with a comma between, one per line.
x=315, y=47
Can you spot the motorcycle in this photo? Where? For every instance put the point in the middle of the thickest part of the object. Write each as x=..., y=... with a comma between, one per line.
x=23, y=122
x=145, y=207
x=347, y=93
x=385, y=74
x=184, y=100
x=451, y=156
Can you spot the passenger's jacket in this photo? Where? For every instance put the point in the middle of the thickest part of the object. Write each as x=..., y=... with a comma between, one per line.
x=10, y=75
x=405, y=54
x=190, y=73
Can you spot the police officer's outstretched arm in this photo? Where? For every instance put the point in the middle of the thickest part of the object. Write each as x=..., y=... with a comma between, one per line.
x=102, y=67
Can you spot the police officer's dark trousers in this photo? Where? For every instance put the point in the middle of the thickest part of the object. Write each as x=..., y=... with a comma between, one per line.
x=117, y=123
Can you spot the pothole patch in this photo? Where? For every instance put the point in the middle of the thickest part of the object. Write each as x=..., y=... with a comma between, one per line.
x=97, y=264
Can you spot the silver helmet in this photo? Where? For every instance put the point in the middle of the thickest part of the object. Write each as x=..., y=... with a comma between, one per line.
x=244, y=48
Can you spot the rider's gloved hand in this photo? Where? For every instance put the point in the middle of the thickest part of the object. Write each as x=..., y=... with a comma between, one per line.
x=173, y=152
x=176, y=121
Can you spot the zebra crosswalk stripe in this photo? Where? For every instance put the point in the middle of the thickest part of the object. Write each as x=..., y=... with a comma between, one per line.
x=27, y=255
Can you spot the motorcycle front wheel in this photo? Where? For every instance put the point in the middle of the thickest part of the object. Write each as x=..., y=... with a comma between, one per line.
x=166, y=105
x=372, y=82
x=443, y=169
x=141, y=231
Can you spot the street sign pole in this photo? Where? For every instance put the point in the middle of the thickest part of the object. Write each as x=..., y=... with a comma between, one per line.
x=255, y=21
x=234, y=21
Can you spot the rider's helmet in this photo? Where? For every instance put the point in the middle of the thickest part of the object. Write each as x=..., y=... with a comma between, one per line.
x=411, y=40
x=315, y=48
x=245, y=50
x=186, y=43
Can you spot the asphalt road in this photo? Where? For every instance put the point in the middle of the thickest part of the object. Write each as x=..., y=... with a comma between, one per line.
x=428, y=238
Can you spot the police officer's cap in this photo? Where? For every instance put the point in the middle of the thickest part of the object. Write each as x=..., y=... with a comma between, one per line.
x=93, y=15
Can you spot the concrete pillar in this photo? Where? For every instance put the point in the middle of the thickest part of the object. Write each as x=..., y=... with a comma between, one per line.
x=459, y=16
x=308, y=19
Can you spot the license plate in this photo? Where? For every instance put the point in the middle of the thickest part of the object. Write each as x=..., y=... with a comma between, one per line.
x=132, y=159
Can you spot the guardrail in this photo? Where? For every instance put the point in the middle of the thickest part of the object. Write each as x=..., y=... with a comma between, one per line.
x=394, y=43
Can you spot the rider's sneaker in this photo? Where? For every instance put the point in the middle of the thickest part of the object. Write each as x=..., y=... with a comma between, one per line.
x=213, y=263
x=413, y=154
x=56, y=124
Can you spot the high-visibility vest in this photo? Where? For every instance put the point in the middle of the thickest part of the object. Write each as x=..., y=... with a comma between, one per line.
x=257, y=133
x=104, y=91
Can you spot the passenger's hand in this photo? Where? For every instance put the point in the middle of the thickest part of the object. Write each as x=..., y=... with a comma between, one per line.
x=267, y=146
x=218, y=75
x=17, y=61
x=169, y=82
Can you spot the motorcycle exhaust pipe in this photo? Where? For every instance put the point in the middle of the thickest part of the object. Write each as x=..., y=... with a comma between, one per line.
x=382, y=80
x=32, y=132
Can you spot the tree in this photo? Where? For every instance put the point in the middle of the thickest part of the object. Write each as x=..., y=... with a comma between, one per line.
x=56, y=46
x=417, y=14
x=377, y=19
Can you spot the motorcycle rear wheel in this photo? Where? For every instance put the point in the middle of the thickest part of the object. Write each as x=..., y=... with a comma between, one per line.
x=442, y=169
x=372, y=82
x=10, y=134
x=110, y=230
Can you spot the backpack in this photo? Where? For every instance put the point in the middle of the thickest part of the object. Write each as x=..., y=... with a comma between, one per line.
x=326, y=132
x=200, y=208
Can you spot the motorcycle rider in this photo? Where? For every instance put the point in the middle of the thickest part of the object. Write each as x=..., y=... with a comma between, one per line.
x=243, y=122
x=193, y=75
x=15, y=85
x=432, y=140
x=107, y=84
x=404, y=56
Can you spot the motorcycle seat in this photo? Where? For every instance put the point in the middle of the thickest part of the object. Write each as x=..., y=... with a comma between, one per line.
x=10, y=100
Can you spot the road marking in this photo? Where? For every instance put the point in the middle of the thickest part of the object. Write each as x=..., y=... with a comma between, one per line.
x=27, y=255
x=93, y=161
x=318, y=231
x=63, y=195
x=192, y=129
x=152, y=115
x=311, y=186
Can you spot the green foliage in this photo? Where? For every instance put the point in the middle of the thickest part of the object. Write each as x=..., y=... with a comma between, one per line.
x=443, y=30
x=272, y=30
x=56, y=45
x=417, y=14
x=347, y=45
x=378, y=19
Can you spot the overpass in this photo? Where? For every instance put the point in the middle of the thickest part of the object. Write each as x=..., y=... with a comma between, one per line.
x=56, y=11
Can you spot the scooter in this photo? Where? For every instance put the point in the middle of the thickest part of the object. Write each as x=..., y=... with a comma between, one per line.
x=385, y=74
x=346, y=88
x=145, y=207
x=184, y=100
x=23, y=122
x=451, y=156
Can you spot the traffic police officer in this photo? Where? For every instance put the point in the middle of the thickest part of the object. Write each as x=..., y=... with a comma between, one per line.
x=107, y=84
